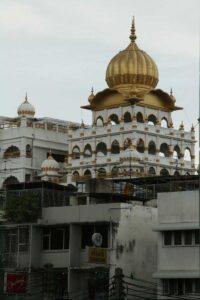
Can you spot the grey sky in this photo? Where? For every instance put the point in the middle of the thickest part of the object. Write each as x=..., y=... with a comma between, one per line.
x=56, y=50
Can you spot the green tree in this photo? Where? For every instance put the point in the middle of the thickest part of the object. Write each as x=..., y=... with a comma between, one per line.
x=23, y=208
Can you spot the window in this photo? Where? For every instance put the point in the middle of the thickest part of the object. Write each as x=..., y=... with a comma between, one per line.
x=188, y=286
x=56, y=238
x=188, y=237
x=27, y=177
x=196, y=237
x=181, y=238
x=167, y=238
x=197, y=285
x=181, y=286
x=11, y=240
x=178, y=238
x=17, y=239
x=23, y=238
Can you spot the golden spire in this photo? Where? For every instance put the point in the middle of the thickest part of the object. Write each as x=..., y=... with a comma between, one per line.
x=50, y=155
x=91, y=97
x=133, y=36
x=26, y=98
x=181, y=127
x=171, y=92
x=192, y=128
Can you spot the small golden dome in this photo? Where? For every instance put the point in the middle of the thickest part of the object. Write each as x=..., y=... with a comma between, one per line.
x=91, y=97
x=132, y=71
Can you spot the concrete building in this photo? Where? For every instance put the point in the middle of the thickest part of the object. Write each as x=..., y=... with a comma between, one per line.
x=55, y=252
x=178, y=260
x=26, y=141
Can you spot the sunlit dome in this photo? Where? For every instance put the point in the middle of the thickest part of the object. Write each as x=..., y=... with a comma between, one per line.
x=50, y=167
x=132, y=71
x=26, y=109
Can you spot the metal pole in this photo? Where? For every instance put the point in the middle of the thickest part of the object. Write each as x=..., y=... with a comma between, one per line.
x=199, y=151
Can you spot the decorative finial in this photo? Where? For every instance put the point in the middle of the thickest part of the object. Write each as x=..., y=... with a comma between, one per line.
x=192, y=128
x=171, y=92
x=50, y=154
x=133, y=35
x=82, y=124
x=26, y=98
x=91, y=97
x=181, y=127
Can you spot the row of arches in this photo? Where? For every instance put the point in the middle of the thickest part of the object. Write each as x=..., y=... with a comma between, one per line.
x=127, y=118
x=115, y=172
x=102, y=150
x=14, y=152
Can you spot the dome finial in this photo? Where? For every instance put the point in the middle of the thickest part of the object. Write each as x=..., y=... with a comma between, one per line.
x=171, y=91
x=26, y=97
x=133, y=36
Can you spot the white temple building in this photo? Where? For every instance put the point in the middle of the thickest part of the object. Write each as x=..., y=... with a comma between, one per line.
x=132, y=132
x=26, y=142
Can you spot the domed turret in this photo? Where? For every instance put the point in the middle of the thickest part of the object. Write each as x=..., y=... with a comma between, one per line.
x=50, y=168
x=26, y=109
x=132, y=71
x=91, y=97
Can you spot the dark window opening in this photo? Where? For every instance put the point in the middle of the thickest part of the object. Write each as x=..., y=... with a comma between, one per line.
x=188, y=237
x=167, y=238
x=177, y=238
x=55, y=238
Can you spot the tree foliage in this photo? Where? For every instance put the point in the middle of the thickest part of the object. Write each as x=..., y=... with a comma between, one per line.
x=22, y=208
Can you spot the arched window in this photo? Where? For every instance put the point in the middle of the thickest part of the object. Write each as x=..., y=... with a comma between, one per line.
x=152, y=120
x=152, y=148
x=12, y=152
x=99, y=122
x=101, y=149
x=87, y=151
x=87, y=173
x=140, y=146
x=114, y=171
x=177, y=152
x=127, y=117
x=10, y=180
x=115, y=149
x=28, y=151
x=114, y=119
x=164, y=150
x=101, y=172
x=127, y=143
x=164, y=172
x=139, y=117
x=176, y=173
x=152, y=171
x=164, y=122
x=75, y=175
x=76, y=152
x=187, y=154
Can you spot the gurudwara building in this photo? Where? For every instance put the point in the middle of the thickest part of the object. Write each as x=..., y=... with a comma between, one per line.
x=132, y=132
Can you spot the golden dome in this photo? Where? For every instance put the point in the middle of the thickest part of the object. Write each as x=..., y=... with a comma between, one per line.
x=91, y=97
x=132, y=71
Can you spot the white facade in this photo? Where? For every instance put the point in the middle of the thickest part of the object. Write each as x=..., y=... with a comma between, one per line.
x=178, y=243
x=157, y=147
x=25, y=142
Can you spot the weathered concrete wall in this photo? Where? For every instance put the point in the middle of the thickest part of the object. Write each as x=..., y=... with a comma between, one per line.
x=135, y=245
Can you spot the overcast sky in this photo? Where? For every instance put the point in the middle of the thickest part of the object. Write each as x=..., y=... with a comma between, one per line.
x=57, y=50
